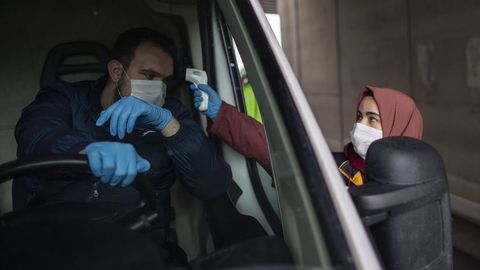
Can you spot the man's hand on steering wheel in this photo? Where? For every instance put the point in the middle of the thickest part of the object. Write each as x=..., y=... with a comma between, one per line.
x=115, y=163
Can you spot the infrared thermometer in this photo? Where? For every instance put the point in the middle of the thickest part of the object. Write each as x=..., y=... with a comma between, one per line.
x=198, y=76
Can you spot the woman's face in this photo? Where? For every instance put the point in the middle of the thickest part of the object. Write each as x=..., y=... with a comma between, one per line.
x=368, y=113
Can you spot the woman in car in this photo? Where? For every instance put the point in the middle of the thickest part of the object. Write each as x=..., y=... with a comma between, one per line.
x=381, y=112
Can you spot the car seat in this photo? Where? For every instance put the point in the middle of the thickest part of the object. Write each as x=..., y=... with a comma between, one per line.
x=72, y=61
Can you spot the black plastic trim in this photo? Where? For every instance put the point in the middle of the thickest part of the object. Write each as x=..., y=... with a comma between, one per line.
x=206, y=36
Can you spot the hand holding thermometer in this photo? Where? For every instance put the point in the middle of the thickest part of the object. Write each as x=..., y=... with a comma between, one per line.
x=198, y=76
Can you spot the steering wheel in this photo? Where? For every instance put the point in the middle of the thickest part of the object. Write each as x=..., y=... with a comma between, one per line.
x=134, y=217
x=56, y=237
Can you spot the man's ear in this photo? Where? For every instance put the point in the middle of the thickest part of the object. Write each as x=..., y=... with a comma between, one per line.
x=115, y=70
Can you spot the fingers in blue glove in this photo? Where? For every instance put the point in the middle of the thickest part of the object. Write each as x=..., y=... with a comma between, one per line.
x=193, y=87
x=214, y=101
x=95, y=163
x=123, y=117
x=132, y=119
x=108, y=167
x=131, y=173
x=197, y=94
x=197, y=101
x=115, y=163
x=105, y=115
x=121, y=165
x=120, y=111
x=142, y=164
x=111, y=113
x=130, y=111
x=209, y=90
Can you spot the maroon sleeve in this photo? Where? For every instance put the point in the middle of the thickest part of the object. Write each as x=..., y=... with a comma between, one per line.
x=242, y=133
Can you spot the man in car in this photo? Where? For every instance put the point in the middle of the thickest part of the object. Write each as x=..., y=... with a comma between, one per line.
x=125, y=125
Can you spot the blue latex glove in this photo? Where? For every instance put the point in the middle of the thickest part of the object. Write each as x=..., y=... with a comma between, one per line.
x=214, y=100
x=115, y=163
x=130, y=111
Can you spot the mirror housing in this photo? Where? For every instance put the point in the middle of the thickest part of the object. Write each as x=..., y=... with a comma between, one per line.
x=405, y=204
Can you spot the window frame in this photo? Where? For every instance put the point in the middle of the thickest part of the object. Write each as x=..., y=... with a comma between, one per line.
x=255, y=179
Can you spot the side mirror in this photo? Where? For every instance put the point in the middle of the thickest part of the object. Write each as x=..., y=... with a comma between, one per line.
x=405, y=204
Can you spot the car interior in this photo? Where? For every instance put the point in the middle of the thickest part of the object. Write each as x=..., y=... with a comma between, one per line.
x=288, y=220
x=70, y=41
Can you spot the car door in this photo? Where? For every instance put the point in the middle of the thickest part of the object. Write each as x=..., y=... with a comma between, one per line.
x=316, y=215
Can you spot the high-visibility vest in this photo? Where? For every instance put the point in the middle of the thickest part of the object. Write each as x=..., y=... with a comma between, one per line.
x=251, y=103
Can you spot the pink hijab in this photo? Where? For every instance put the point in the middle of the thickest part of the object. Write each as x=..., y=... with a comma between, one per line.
x=398, y=112
x=399, y=116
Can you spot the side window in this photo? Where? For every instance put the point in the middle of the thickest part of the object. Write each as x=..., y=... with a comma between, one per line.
x=262, y=182
x=250, y=101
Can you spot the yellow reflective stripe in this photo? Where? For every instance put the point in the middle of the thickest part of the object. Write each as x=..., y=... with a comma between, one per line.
x=342, y=171
x=357, y=179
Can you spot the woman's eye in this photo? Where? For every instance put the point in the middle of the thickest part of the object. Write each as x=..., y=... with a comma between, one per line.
x=373, y=119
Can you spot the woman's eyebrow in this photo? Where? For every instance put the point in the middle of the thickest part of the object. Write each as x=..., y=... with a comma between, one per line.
x=372, y=113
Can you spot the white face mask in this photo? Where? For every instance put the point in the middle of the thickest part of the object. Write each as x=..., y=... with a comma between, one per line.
x=362, y=136
x=147, y=90
x=150, y=91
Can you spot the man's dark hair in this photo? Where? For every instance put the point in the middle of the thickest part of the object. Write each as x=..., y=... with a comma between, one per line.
x=124, y=48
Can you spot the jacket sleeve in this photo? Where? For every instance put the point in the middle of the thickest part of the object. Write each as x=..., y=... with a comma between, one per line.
x=45, y=127
x=203, y=172
x=242, y=133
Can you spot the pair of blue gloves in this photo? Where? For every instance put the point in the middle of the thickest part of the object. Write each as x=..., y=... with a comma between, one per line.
x=118, y=163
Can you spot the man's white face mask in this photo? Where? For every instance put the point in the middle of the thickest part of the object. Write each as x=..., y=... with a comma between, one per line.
x=362, y=136
x=150, y=91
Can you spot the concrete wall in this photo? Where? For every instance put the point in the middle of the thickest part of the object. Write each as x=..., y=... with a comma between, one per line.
x=429, y=49
x=309, y=38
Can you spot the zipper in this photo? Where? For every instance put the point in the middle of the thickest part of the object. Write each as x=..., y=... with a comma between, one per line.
x=94, y=194
x=95, y=190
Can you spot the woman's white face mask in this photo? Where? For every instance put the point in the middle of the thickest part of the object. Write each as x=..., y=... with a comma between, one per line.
x=362, y=136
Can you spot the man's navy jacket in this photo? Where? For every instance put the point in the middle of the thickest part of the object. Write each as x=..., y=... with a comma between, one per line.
x=61, y=120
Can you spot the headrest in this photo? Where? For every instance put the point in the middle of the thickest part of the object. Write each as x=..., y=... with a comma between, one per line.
x=403, y=161
x=72, y=59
